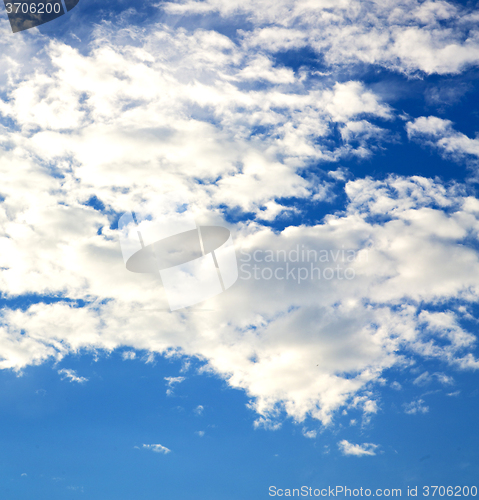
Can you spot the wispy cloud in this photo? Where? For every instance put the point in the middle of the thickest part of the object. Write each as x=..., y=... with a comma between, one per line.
x=423, y=379
x=128, y=355
x=453, y=394
x=157, y=448
x=444, y=379
x=414, y=407
x=171, y=382
x=71, y=375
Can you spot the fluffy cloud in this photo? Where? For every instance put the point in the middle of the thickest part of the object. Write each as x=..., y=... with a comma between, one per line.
x=357, y=450
x=407, y=36
x=96, y=118
x=306, y=346
x=439, y=133
x=309, y=434
x=146, y=112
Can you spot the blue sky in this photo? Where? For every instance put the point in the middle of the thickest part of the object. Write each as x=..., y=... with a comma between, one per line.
x=320, y=126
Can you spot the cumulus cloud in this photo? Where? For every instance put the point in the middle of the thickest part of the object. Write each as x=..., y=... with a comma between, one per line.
x=286, y=343
x=145, y=112
x=119, y=108
x=440, y=134
x=357, y=450
x=407, y=36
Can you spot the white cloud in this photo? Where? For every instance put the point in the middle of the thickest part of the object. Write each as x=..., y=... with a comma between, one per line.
x=454, y=394
x=423, y=379
x=266, y=423
x=128, y=355
x=440, y=133
x=414, y=407
x=309, y=434
x=181, y=110
x=199, y=410
x=357, y=450
x=426, y=378
x=119, y=107
x=294, y=344
x=157, y=448
x=261, y=68
x=171, y=382
x=71, y=375
x=409, y=36
x=444, y=379
x=200, y=433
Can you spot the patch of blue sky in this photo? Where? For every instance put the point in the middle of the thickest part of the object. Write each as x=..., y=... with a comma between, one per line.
x=23, y=302
x=95, y=203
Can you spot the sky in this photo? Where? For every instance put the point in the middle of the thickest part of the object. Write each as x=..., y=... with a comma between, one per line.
x=336, y=141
